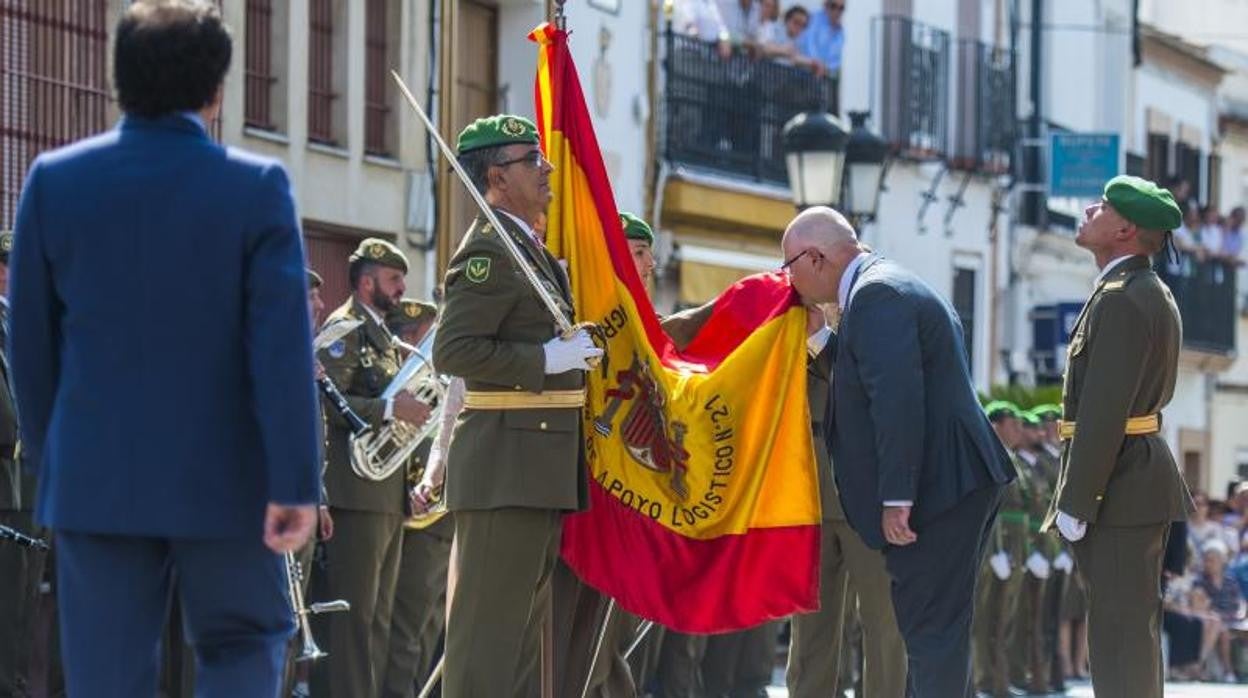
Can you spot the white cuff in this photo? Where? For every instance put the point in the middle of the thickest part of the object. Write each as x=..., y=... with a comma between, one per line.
x=1072, y=529
x=899, y=503
x=389, y=412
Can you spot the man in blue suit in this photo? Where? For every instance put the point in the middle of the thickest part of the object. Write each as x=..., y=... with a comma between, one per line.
x=918, y=467
x=159, y=342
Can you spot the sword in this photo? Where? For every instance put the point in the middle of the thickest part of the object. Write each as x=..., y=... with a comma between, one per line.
x=566, y=328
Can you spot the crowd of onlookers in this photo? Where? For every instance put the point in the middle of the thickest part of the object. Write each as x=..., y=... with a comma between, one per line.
x=1205, y=584
x=798, y=37
x=1206, y=234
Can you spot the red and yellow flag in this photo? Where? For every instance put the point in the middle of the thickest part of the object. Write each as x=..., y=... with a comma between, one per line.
x=705, y=500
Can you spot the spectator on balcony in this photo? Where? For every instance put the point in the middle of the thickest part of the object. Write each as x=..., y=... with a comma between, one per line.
x=701, y=19
x=1233, y=237
x=1180, y=189
x=1186, y=242
x=742, y=18
x=1211, y=231
x=825, y=37
x=778, y=39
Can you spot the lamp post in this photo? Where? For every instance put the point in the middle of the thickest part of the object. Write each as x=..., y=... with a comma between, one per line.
x=814, y=152
x=864, y=158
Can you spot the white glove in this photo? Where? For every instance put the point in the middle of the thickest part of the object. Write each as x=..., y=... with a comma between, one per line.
x=1000, y=564
x=1064, y=562
x=563, y=355
x=1072, y=529
x=1038, y=566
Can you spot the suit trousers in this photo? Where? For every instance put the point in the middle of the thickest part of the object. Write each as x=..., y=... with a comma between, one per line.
x=363, y=561
x=114, y=601
x=815, y=651
x=1121, y=568
x=933, y=587
x=418, y=603
x=499, y=594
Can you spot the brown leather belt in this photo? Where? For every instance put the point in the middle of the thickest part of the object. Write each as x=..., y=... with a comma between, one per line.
x=496, y=400
x=1136, y=426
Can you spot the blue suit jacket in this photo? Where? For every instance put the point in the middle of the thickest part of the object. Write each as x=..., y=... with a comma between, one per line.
x=159, y=335
x=904, y=423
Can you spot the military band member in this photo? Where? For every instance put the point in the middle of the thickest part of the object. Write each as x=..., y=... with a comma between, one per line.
x=851, y=574
x=1120, y=488
x=365, y=552
x=515, y=462
x=420, y=597
x=1064, y=583
x=1001, y=574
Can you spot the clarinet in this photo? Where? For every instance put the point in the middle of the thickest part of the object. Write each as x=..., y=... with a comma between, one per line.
x=331, y=393
x=21, y=539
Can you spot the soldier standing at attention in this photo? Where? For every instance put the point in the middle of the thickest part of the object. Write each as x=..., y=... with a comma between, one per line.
x=365, y=551
x=515, y=462
x=1119, y=488
x=1001, y=578
x=1032, y=654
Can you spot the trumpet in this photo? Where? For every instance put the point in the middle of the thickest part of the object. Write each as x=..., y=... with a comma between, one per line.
x=294, y=585
x=377, y=455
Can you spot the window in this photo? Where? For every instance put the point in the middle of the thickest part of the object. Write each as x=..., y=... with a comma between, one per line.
x=265, y=61
x=327, y=53
x=381, y=43
x=1158, y=164
x=964, y=305
x=1187, y=166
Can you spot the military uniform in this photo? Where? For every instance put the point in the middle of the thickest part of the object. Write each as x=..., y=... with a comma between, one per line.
x=364, y=553
x=420, y=598
x=515, y=462
x=1118, y=476
x=996, y=598
x=817, y=641
x=1031, y=665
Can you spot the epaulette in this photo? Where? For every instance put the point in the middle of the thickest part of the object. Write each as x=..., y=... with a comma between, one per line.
x=1115, y=285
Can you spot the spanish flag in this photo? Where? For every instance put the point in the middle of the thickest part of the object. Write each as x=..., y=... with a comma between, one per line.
x=705, y=503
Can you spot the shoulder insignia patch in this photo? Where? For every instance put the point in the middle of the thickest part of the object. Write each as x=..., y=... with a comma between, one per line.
x=1115, y=285
x=337, y=349
x=477, y=269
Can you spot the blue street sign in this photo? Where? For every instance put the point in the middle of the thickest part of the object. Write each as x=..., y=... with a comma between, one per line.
x=1081, y=163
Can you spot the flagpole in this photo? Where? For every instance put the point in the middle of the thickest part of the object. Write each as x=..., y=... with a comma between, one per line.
x=561, y=21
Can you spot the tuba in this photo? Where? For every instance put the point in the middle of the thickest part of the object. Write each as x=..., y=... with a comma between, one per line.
x=420, y=522
x=376, y=455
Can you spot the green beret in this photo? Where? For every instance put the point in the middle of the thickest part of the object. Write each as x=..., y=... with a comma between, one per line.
x=6, y=246
x=314, y=279
x=636, y=229
x=1143, y=203
x=1047, y=413
x=410, y=311
x=500, y=129
x=998, y=409
x=378, y=251
x=1030, y=419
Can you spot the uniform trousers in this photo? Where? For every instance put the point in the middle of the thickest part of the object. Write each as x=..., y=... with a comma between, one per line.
x=499, y=595
x=1121, y=568
x=363, y=561
x=419, y=607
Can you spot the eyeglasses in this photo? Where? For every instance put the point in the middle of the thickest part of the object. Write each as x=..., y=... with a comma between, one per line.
x=533, y=158
x=787, y=267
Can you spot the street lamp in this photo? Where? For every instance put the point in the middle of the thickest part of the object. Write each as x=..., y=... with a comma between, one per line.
x=864, y=158
x=814, y=151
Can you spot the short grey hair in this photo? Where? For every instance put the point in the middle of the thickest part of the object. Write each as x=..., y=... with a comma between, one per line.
x=477, y=164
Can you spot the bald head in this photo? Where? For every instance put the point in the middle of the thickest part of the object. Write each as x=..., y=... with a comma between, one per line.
x=819, y=227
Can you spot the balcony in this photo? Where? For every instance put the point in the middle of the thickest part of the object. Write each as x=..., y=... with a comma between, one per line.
x=984, y=131
x=910, y=86
x=725, y=115
x=1205, y=294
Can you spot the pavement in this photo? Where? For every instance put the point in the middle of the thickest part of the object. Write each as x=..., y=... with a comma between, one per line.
x=1081, y=689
